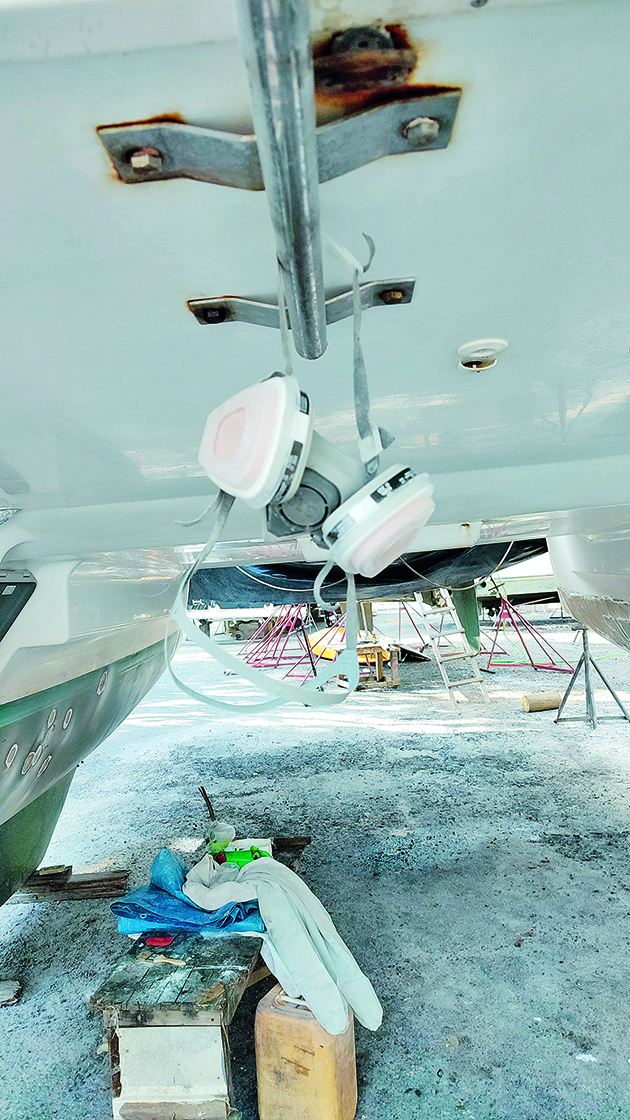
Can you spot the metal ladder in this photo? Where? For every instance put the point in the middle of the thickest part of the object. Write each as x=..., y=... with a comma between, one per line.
x=464, y=655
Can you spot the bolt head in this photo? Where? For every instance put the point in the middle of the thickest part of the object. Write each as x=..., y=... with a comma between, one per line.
x=392, y=295
x=214, y=314
x=421, y=131
x=146, y=159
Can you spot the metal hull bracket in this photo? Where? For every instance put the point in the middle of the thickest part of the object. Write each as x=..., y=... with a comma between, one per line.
x=237, y=309
x=147, y=152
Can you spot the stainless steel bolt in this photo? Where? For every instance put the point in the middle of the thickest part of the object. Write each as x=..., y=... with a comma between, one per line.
x=146, y=159
x=421, y=131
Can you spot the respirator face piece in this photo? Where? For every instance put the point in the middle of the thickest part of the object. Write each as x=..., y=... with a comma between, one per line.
x=314, y=500
x=256, y=444
x=370, y=529
x=260, y=446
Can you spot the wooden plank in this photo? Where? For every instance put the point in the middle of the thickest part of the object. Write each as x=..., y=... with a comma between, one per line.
x=171, y=1015
x=300, y=842
x=113, y=1044
x=62, y=887
x=10, y=992
x=162, y=983
x=377, y=684
x=289, y=849
x=121, y=985
x=210, y=982
x=259, y=974
x=205, y=989
x=171, y=1110
x=59, y=873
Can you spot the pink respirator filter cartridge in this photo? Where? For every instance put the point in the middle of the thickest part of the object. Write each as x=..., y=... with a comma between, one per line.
x=378, y=523
x=255, y=445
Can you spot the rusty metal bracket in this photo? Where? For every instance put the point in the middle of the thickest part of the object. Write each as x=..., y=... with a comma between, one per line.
x=153, y=150
x=238, y=309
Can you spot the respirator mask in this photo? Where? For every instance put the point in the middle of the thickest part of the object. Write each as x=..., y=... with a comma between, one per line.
x=260, y=447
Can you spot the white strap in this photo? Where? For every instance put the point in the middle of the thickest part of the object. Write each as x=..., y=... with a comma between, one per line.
x=370, y=442
x=284, y=324
x=308, y=693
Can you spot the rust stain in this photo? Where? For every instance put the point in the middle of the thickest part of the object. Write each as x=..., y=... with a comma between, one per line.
x=400, y=37
x=162, y=118
x=347, y=71
x=371, y=78
x=332, y=106
x=356, y=70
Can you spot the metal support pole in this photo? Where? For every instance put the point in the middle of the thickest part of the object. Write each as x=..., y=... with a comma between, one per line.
x=276, y=48
x=588, y=687
x=591, y=713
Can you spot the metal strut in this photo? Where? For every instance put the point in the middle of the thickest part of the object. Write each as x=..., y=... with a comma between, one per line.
x=587, y=661
x=276, y=48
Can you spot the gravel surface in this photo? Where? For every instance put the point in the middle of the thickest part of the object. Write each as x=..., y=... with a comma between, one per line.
x=476, y=862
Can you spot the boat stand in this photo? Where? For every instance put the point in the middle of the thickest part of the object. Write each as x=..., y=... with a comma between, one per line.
x=523, y=628
x=587, y=661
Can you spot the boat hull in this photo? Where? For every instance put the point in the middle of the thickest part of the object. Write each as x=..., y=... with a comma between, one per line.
x=35, y=778
x=25, y=837
x=593, y=577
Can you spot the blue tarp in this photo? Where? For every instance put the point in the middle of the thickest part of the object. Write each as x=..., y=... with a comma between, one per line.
x=163, y=905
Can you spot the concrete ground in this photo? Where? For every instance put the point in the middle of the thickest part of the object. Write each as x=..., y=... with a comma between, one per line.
x=476, y=862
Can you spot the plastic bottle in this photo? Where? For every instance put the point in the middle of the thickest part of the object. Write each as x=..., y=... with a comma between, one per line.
x=304, y=1073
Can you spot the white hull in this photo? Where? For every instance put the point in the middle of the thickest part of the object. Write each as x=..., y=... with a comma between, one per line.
x=514, y=230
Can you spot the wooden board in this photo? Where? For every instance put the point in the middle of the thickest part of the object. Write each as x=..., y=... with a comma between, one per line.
x=290, y=849
x=60, y=885
x=171, y=1110
x=147, y=988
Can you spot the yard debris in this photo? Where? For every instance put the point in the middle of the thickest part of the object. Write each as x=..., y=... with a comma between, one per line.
x=10, y=992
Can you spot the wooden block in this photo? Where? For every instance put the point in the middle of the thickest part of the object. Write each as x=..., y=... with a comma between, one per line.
x=377, y=684
x=181, y=1069
x=165, y=1012
x=260, y=974
x=51, y=874
x=10, y=992
x=207, y=988
x=289, y=849
x=61, y=887
x=541, y=701
x=173, y=1110
x=375, y=657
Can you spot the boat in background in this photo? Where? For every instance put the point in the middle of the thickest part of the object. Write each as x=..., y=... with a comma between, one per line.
x=529, y=581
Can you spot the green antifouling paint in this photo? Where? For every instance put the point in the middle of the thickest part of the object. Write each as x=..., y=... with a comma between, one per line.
x=465, y=603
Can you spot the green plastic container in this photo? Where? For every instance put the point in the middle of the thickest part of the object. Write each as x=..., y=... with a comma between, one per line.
x=246, y=856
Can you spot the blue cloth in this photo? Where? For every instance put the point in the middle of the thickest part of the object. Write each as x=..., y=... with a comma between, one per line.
x=162, y=904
